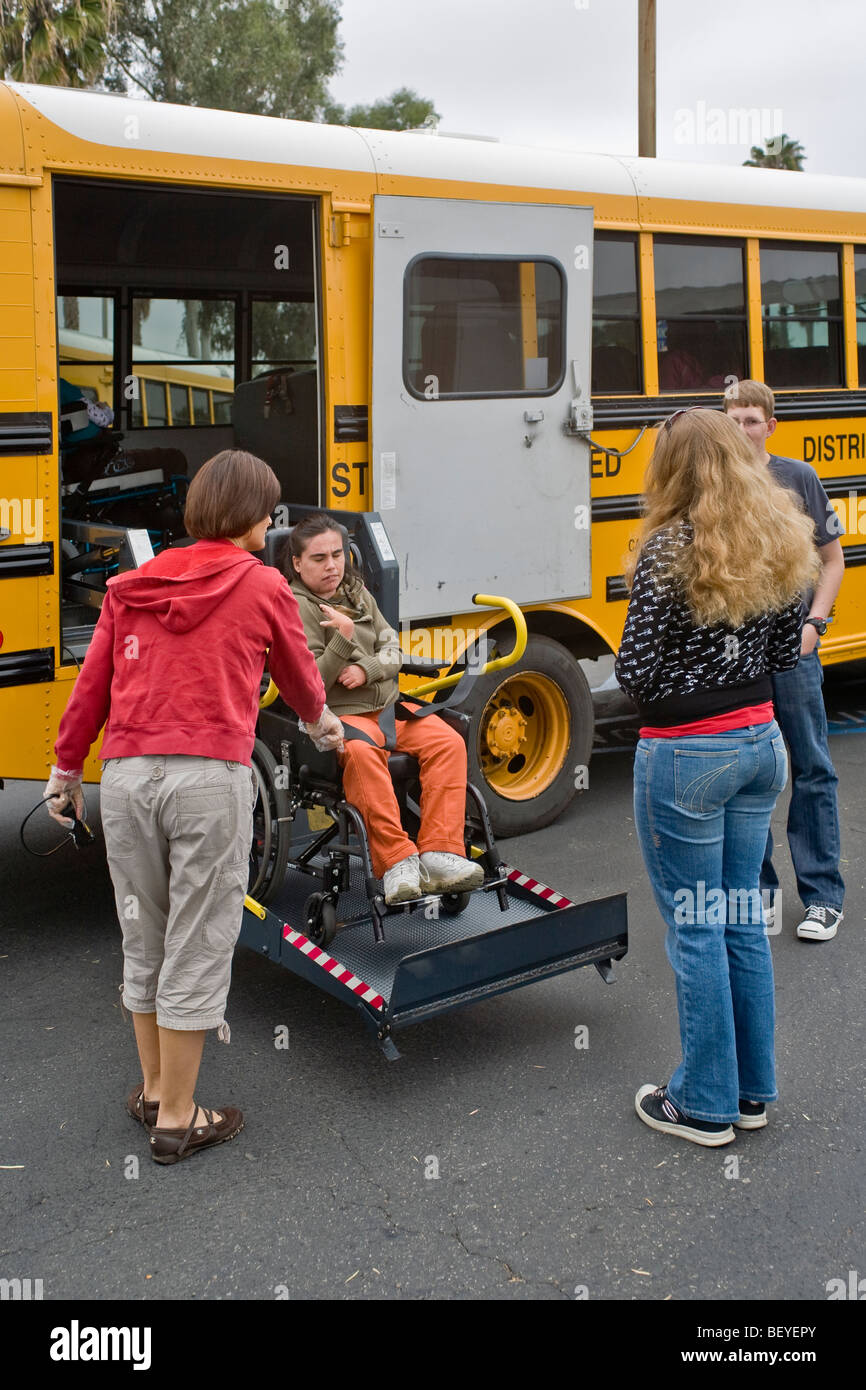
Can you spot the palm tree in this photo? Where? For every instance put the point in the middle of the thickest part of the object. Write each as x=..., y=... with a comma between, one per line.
x=781, y=153
x=58, y=43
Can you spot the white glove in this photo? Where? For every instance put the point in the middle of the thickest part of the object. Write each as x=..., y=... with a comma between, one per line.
x=64, y=787
x=326, y=733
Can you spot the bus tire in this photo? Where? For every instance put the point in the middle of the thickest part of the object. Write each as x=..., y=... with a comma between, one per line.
x=531, y=732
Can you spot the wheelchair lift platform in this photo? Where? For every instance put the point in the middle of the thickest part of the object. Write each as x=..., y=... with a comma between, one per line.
x=429, y=964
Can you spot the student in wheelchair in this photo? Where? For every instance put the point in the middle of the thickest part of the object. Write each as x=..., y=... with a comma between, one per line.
x=359, y=656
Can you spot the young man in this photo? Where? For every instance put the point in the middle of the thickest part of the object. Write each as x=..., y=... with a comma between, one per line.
x=813, y=817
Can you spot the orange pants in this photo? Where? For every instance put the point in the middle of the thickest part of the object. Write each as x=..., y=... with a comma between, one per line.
x=441, y=754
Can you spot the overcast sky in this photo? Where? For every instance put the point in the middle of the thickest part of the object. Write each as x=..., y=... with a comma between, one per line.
x=564, y=72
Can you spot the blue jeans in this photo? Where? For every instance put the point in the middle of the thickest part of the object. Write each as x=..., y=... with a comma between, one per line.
x=702, y=809
x=813, y=816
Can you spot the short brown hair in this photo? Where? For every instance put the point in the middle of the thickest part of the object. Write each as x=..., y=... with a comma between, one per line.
x=750, y=393
x=229, y=494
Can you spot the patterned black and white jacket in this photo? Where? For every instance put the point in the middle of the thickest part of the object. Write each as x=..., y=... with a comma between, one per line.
x=676, y=671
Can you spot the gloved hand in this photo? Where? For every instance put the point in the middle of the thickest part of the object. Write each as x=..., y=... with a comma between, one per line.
x=64, y=787
x=326, y=733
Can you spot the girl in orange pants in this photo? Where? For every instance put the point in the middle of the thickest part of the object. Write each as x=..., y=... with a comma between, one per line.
x=358, y=656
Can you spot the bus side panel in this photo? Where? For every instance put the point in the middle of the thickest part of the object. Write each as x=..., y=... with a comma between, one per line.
x=30, y=701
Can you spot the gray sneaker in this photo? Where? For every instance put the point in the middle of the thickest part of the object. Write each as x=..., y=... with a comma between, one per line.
x=448, y=873
x=402, y=882
x=819, y=924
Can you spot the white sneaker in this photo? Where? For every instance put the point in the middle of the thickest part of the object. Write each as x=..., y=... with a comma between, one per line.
x=819, y=924
x=402, y=882
x=448, y=873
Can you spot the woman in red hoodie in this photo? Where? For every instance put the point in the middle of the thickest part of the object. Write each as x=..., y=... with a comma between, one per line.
x=173, y=672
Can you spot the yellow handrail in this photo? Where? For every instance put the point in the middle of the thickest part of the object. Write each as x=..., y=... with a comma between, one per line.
x=443, y=682
x=483, y=601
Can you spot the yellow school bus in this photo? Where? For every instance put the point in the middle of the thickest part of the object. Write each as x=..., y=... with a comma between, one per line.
x=470, y=339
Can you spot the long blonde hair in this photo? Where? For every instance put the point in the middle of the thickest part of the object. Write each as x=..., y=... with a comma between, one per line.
x=752, y=549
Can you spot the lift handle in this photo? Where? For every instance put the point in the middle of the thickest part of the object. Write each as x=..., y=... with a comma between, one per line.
x=483, y=601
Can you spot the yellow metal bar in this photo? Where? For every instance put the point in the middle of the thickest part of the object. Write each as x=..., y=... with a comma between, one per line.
x=269, y=696
x=528, y=313
x=648, y=315
x=255, y=907
x=849, y=320
x=754, y=309
x=483, y=601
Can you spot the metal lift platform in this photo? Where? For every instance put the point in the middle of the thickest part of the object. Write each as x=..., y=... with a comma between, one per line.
x=430, y=962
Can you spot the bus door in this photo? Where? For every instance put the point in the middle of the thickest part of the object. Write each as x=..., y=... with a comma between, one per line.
x=481, y=364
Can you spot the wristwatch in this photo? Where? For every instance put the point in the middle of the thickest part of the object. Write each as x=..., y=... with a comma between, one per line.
x=819, y=624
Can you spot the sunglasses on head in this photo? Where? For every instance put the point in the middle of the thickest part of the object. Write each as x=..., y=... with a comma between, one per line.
x=686, y=410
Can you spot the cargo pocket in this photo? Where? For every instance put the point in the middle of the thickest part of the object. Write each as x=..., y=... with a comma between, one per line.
x=222, y=922
x=117, y=824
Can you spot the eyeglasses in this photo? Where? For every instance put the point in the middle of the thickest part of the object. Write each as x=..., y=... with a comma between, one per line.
x=687, y=410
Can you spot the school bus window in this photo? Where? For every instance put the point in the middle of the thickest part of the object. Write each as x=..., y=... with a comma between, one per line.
x=222, y=408
x=482, y=327
x=85, y=330
x=616, y=359
x=283, y=334
x=802, y=314
x=860, y=294
x=701, y=328
x=179, y=400
x=200, y=407
x=153, y=394
x=182, y=341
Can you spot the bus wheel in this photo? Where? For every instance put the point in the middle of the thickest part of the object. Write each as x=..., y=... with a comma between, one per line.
x=269, y=851
x=531, y=732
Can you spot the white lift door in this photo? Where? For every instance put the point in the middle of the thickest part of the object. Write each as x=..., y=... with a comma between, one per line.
x=469, y=505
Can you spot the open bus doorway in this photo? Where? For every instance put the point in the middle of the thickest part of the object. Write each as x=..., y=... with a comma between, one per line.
x=194, y=317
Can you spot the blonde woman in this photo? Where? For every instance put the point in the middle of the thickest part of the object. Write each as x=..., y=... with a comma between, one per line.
x=715, y=609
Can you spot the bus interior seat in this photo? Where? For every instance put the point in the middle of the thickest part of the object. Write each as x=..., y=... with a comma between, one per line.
x=469, y=347
x=276, y=417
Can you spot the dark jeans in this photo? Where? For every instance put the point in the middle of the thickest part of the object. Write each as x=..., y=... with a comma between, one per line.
x=813, y=816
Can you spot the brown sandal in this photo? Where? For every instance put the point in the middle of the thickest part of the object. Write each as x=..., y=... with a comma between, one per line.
x=171, y=1145
x=145, y=1111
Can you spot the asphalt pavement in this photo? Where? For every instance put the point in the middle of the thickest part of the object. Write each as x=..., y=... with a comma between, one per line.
x=500, y=1158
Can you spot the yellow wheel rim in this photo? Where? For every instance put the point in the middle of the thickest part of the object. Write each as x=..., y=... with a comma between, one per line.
x=523, y=736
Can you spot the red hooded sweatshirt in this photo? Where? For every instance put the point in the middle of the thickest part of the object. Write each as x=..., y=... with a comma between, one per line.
x=177, y=655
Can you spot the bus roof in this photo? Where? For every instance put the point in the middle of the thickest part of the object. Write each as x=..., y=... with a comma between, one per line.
x=107, y=120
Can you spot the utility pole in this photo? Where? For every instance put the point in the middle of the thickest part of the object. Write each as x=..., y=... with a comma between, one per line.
x=646, y=79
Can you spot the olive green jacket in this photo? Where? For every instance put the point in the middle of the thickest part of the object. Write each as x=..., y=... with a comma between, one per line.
x=374, y=647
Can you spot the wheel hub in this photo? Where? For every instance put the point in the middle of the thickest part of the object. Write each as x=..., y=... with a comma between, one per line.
x=506, y=730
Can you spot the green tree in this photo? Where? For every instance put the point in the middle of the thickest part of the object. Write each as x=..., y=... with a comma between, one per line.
x=265, y=57
x=781, y=153
x=402, y=110
x=63, y=44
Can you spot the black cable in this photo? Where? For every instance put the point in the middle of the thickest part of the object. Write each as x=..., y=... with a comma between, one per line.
x=80, y=833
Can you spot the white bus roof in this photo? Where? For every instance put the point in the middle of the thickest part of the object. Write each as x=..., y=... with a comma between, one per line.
x=188, y=130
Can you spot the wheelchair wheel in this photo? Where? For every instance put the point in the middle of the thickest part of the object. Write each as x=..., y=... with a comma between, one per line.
x=269, y=851
x=452, y=904
x=320, y=917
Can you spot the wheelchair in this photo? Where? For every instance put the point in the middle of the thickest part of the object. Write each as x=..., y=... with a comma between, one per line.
x=293, y=777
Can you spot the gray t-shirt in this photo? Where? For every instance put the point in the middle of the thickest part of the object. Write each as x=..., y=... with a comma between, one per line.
x=801, y=478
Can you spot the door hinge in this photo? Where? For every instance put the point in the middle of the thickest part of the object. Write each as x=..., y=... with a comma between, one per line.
x=346, y=225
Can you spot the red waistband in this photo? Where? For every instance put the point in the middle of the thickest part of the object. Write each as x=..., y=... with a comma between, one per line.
x=717, y=723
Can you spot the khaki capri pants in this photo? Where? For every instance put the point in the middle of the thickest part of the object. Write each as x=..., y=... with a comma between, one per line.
x=178, y=832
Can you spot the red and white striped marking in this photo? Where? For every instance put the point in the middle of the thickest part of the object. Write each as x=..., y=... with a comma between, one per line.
x=333, y=967
x=541, y=889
